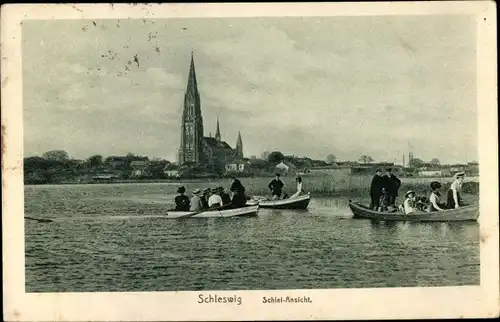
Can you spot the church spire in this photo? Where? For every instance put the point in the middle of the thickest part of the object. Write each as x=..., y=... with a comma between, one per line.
x=217, y=132
x=192, y=84
x=239, y=146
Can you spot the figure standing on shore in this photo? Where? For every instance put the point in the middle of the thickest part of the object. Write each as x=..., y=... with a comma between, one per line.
x=392, y=184
x=196, y=203
x=276, y=187
x=376, y=189
x=239, y=198
x=453, y=198
x=181, y=200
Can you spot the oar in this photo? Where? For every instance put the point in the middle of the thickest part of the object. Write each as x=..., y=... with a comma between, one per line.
x=39, y=219
x=205, y=210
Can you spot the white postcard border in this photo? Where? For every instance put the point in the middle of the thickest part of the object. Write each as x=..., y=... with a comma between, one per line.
x=373, y=303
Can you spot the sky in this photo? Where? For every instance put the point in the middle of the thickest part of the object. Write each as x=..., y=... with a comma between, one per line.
x=305, y=86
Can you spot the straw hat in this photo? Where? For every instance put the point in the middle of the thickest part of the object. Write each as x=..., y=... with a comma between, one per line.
x=196, y=192
x=409, y=193
x=459, y=174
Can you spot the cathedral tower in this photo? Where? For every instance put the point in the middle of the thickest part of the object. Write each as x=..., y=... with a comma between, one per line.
x=239, y=146
x=191, y=149
x=217, y=132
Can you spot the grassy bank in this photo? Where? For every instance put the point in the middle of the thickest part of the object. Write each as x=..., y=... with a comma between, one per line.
x=320, y=185
x=351, y=186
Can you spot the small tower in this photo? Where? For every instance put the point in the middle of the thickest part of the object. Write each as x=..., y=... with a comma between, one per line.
x=239, y=146
x=217, y=132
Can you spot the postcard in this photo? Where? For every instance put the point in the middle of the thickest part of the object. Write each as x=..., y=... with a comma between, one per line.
x=274, y=161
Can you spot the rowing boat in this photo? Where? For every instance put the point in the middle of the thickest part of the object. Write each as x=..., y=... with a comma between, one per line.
x=465, y=213
x=300, y=202
x=246, y=211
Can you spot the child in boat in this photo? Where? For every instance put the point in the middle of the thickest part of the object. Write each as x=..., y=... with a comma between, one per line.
x=384, y=200
x=181, y=200
x=409, y=203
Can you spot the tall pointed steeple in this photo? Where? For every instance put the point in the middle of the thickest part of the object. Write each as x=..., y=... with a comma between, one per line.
x=191, y=149
x=192, y=85
x=217, y=132
x=239, y=146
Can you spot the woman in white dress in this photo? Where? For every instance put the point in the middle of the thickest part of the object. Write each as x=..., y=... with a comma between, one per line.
x=300, y=190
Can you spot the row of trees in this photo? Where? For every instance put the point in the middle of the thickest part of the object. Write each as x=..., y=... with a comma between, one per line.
x=56, y=166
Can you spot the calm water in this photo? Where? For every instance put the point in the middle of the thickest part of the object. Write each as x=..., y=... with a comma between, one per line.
x=116, y=238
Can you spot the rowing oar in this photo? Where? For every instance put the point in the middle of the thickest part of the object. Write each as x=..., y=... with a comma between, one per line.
x=205, y=210
x=39, y=219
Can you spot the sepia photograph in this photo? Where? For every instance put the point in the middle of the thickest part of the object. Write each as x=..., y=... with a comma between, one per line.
x=163, y=150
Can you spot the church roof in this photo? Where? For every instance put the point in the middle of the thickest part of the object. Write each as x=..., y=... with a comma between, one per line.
x=213, y=142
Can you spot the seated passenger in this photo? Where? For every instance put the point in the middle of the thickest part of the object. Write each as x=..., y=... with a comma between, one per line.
x=204, y=197
x=224, y=196
x=409, y=203
x=434, y=198
x=181, y=200
x=196, y=203
x=215, y=200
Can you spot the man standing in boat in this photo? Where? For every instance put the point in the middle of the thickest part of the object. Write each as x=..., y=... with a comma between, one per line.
x=392, y=184
x=378, y=183
x=454, y=199
x=276, y=187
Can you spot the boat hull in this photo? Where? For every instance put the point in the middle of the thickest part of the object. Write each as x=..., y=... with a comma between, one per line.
x=301, y=202
x=247, y=211
x=466, y=213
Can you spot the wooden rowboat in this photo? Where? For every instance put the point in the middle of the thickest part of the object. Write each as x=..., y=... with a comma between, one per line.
x=301, y=202
x=246, y=211
x=466, y=213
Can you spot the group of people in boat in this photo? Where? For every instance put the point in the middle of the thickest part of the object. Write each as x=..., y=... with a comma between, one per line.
x=209, y=198
x=276, y=188
x=384, y=191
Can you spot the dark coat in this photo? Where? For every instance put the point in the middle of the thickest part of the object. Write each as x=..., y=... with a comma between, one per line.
x=182, y=203
x=392, y=184
x=239, y=197
x=276, y=186
x=376, y=186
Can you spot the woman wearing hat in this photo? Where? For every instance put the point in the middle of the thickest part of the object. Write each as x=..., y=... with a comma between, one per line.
x=300, y=190
x=409, y=203
x=196, y=203
x=434, y=204
x=181, y=200
x=453, y=197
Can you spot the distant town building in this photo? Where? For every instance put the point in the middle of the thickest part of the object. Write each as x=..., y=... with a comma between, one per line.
x=431, y=173
x=195, y=148
x=238, y=166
